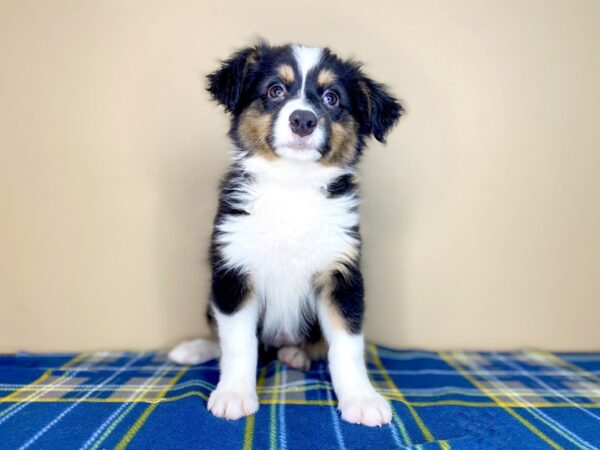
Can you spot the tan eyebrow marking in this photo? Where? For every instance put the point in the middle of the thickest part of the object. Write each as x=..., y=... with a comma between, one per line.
x=286, y=72
x=325, y=77
x=365, y=89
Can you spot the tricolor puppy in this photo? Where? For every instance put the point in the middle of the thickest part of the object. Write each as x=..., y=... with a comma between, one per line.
x=286, y=247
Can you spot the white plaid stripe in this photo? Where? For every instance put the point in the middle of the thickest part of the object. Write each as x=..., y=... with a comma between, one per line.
x=281, y=413
x=395, y=436
x=335, y=417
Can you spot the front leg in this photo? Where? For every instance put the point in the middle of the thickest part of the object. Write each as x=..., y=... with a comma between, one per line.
x=341, y=309
x=235, y=395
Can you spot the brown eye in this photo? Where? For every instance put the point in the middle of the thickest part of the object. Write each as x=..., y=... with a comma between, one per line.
x=331, y=99
x=276, y=91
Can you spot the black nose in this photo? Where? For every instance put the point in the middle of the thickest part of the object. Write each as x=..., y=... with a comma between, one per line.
x=303, y=122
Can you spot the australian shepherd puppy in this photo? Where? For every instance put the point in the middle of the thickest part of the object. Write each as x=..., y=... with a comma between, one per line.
x=286, y=247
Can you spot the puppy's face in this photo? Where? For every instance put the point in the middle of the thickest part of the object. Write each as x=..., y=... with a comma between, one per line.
x=301, y=103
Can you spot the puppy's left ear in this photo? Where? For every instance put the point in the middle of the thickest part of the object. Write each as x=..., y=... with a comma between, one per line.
x=383, y=110
x=226, y=85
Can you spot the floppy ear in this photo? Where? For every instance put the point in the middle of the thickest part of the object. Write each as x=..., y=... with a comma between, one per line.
x=226, y=85
x=383, y=110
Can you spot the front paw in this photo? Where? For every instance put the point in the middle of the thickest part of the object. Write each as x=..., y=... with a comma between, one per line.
x=371, y=410
x=232, y=405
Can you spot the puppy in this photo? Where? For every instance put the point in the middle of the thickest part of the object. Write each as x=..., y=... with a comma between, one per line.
x=286, y=247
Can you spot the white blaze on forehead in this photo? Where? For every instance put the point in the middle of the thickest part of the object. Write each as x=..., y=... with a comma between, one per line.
x=284, y=138
x=307, y=58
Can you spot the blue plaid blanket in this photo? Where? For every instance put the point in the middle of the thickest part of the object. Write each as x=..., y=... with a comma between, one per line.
x=461, y=400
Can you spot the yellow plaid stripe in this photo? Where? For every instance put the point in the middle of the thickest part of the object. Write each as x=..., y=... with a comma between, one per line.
x=249, y=430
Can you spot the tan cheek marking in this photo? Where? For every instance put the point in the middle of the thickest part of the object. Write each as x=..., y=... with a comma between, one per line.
x=254, y=130
x=286, y=72
x=325, y=77
x=342, y=143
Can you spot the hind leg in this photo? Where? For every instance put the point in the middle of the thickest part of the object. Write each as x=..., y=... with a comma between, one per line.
x=196, y=351
x=294, y=357
x=300, y=357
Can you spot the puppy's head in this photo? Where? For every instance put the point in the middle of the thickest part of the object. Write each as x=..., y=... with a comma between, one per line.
x=302, y=103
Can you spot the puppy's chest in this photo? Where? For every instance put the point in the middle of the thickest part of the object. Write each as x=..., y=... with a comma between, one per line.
x=291, y=227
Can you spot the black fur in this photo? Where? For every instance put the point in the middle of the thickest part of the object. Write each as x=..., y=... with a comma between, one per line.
x=342, y=185
x=384, y=110
x=348, y=296
x=227, y=84
x=229, y=287
x=230, y=185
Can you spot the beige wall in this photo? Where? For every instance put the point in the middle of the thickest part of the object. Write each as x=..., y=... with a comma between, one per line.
x=480, y=217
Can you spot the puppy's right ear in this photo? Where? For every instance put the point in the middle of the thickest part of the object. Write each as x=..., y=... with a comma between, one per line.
x=226, y=85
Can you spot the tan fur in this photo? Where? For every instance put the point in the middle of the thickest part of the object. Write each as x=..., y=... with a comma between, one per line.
x=335, y=318
x=341, y=265
x=252, y=57
x=317, y=350
x=325, y=77
x=345, y=260
x=286, y=72
x=254, y=129
x=343, y=144
x=324, y=285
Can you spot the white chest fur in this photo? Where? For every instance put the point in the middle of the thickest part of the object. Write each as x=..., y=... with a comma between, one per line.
x=293, y=231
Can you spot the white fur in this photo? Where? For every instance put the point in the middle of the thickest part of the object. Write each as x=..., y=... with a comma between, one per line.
x=196, y=351
x=358, y=401
x=293, y=232
x=286, y=143
x=306, y=58
x=235, y=395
